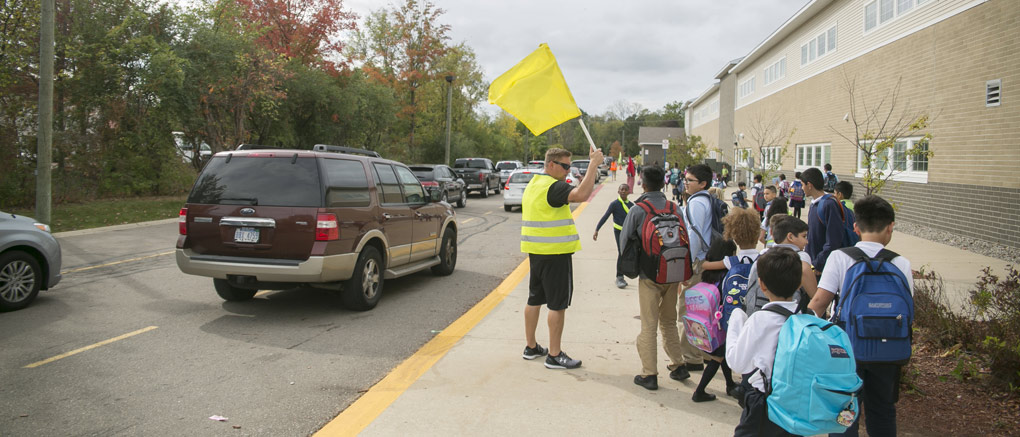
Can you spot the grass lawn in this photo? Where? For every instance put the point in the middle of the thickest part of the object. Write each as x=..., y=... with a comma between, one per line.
x=99, y=213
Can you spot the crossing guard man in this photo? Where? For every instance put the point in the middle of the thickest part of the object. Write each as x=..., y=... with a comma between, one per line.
x=549, y=237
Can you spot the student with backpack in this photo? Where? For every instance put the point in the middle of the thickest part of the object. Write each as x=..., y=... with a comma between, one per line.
x=829, y=226
x=664, y=260
x=796, y=195
x=704, y=325
x=739, y=198
x=791, y=233
x=844, y=191
x=618, y=209
x=876, y=309
x=758, y=197
x=831, y=180
x=783, y=187
x=777, y=207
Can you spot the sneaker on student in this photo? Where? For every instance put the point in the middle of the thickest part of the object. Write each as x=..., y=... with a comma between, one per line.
x=531, y=353
x=650, y=382
x=680, y=373
x=561, y=361
x=620, y=283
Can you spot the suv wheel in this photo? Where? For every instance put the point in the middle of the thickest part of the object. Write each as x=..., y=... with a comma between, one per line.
x=508, y=208
x=447, y=255
x=485, y=190
x=463, y=199
x=498, y=188
x=20, y=278
x=231, y=293
x=363, y=290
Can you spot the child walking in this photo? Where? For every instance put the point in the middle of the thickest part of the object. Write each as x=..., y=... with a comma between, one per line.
x=719, y=250
x=875, y=220
x=796, y=195
x=751, y=342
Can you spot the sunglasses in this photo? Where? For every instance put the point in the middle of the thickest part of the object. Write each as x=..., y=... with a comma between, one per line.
x=565, y=166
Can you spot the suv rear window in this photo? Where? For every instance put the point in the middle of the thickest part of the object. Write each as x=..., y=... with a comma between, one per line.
x=506, y=166
x=424, y=173
x=520, y=178
x=266, y=181
x=469, y=163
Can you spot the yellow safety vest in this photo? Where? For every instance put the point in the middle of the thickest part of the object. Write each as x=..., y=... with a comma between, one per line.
x=625, y=210
x=546, y=230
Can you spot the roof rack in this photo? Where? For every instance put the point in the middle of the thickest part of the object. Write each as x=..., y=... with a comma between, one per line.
x=342, y=149
x=254, y=147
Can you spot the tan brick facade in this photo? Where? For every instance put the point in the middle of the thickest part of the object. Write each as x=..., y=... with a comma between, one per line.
x=973, y=182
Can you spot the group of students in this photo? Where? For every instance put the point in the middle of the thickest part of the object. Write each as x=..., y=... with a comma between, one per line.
x=720, y=303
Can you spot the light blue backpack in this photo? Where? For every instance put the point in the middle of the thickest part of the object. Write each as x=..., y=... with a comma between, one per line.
x=814, y=383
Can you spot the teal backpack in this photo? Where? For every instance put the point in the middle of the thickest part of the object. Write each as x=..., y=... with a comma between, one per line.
x=814, y=384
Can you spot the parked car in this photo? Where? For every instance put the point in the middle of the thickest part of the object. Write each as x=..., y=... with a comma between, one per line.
x=29, y=260
x=507, y=167
x=186, y=149
x=442, y=177
x=574, y=177
x=479, y=174
x=334, y=218
x=540, y=165
x=582, y=166
x=514, y=190
x=604, y=166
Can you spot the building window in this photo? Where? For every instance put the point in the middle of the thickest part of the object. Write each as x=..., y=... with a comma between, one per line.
x=818, y=46
x=993, y=93
x=772, y=157
x=904, y=165
x=740, y=156
x=812, y=155
x=747, y=88
x=775, y=71
x=879, y=12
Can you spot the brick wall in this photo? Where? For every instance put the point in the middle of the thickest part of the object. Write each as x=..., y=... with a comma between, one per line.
x=973, y=185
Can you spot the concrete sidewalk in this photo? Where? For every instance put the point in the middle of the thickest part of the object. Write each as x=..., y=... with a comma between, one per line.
x=482, y=386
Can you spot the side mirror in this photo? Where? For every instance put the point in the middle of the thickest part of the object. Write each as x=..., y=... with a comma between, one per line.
x=436, y=194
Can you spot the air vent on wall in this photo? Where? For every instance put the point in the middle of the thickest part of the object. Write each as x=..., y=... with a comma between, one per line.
x=993, y=92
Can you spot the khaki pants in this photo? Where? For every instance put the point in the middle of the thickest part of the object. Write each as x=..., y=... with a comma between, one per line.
x=658, y=304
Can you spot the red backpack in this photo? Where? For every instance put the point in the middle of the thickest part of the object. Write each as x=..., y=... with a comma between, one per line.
x=665, y=255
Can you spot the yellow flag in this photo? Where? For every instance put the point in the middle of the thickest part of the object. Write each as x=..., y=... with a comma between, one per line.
x=535, y=92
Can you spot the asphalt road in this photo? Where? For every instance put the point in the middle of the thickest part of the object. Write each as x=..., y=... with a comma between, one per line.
x=167, y=353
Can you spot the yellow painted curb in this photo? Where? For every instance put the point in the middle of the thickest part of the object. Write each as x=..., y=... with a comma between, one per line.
x=369, y=406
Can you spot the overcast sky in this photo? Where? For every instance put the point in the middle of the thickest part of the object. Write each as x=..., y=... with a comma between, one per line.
x=649, y=52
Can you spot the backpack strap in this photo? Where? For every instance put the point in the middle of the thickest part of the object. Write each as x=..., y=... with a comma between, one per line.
x=782, y=311
x=842, y=214
x=687, y=217
x=779, y=309
x=855, y=253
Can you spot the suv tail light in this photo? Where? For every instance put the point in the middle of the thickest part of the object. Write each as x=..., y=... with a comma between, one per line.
x=327, y=228
x=430, y=184
x=182, y=222
x=481, y=177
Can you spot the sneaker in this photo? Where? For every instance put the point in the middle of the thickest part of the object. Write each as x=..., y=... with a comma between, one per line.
x=700, y=396
x=650, y=382
x=695, y=367
x=679, y=374
x=561, y=361
x=531, y=353
x=620, y=283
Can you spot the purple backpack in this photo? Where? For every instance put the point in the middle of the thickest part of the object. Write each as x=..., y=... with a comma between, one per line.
x=702, y=319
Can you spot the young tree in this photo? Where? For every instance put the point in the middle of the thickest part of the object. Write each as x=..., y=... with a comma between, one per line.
x=878, y=129
x=770, y=140
x=690, y=151
x=306, y=30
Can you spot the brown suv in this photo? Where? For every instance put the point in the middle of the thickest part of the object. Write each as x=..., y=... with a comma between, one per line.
x=343, y=220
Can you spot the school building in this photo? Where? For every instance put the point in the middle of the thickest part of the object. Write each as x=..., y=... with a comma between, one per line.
x=788, y=104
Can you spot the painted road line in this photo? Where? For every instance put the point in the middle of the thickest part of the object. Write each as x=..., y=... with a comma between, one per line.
x=490, y=212
x=91, y=346
x=466, y=221
x=369, y=406
x=114, y=263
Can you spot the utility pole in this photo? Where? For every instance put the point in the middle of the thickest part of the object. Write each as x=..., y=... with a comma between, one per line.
x=44, y=151
x=449, y=107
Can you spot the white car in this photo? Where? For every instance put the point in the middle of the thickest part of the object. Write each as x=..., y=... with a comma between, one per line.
x=513, y=191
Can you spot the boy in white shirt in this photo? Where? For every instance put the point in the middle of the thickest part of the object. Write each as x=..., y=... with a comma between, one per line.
x=875, y=220
x=751, y=342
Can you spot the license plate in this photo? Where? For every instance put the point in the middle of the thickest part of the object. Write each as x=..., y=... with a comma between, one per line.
x=246, y=235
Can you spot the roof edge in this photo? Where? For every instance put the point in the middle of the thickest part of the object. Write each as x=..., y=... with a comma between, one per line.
x=806, y=13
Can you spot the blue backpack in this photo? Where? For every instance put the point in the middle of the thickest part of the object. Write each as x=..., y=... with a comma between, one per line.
x=734, y=287
x=876, y=308
x=847, y=218
x=814, y=384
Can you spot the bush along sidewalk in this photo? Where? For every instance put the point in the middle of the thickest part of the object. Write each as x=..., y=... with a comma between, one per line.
x=984, y=336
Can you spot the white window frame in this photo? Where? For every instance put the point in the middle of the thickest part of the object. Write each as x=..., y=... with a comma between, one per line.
x=908, y=174
x=740, y=156
x=747, y=87
x=775, y=71
x=896, y=12
x=812, y=155
x=819, y=46
x=771, y=155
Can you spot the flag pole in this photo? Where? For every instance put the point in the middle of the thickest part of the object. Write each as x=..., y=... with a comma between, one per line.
x=586, y=134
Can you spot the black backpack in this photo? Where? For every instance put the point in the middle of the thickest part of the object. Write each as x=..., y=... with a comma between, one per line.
x=830, y=182
x=719, y=210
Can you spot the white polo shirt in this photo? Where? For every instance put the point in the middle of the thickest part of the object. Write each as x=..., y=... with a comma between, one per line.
x=751, y=341
x=839, y=262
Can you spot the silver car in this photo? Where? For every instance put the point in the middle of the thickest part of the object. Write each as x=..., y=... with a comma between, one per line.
x=29, y=260
x=513, y=192
x=506, y=168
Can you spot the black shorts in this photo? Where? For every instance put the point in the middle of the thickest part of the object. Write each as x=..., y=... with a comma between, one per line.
x=552, y=281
